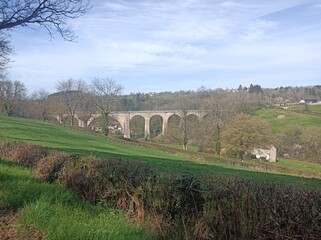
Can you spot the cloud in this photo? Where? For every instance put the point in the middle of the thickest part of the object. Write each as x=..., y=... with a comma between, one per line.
x=257, y=29
x=178, y=40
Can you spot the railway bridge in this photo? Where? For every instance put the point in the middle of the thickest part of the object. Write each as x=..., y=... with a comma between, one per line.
x=125, y=117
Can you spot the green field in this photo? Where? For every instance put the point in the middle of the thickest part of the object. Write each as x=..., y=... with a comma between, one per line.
x=296, y=164
x=281, y=118
x=311, y=108
x=66, y=139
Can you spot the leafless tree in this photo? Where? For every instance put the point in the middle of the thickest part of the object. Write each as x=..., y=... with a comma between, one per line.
x=86, y=108
x=184, y=127
x=104, y=92
x=53, y=15
x=72, y=92
x=5, y=50
x=41, y=98
x=11, y=93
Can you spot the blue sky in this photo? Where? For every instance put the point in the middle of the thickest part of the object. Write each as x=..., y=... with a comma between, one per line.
x=170, y=45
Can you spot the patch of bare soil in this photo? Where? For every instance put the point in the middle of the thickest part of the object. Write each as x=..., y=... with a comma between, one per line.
x=9, y=230
x=281, y=116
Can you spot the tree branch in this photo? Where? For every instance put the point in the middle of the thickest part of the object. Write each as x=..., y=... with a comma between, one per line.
x=50, y=14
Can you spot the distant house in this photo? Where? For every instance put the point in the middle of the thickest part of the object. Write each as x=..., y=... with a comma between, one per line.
x=268, y=153
x=308, y=100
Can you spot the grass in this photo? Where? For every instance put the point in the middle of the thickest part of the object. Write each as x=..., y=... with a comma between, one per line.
x=311, y=108
x=56, y=212
x=296, y=164
x=281, y=118
x=180, y=147
x=72, y=141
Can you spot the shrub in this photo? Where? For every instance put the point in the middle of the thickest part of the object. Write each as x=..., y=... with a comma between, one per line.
x=211, y=151
x=48, y=168
x=111, y=180
x=239, y=209
x=207, y=207
x=75, y=175
x=25, y=154
x=173, y=203
x=6, y=147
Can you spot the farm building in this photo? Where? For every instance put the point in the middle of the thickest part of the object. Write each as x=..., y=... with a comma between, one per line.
x=309, y=100
x=268, y=153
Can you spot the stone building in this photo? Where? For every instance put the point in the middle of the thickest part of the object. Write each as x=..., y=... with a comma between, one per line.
x=268, y=153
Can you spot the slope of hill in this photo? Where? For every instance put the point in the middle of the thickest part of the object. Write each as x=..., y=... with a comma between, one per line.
x=292, y=116
x=67, y=139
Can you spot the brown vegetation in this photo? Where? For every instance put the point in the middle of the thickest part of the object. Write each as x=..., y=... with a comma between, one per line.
x=47, y=168
x=9, y=230
x=25, y=154
x=184, y=206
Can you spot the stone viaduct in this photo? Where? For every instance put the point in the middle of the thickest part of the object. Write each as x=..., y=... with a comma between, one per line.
x=124, y=118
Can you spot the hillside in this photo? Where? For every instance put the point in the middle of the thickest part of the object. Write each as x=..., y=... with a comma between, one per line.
x=292, y=116
x=67, y=139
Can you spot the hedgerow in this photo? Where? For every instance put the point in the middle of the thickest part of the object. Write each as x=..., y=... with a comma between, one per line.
x=180, y=206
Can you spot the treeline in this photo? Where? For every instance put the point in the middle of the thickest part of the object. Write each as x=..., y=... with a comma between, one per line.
x=174, y=206
x=253, y=95
x=17, y=101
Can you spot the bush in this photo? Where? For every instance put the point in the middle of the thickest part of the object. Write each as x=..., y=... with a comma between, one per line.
x=6, y=147
x=239, y=209
x=211, y=151
x=206, y=207
x=111, y=180
x=48, y=168
x=25, y=154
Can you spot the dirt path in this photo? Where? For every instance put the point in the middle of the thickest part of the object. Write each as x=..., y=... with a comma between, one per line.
x=9, y=231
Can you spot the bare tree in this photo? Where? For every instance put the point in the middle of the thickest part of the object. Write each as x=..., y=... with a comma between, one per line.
x=183, y=128
x=11, y=93
x=86, y=108
x=72, y=92
x=41, y=98
x=186, y=126
x=104, y=92
x=53, y=15
x=5, y=50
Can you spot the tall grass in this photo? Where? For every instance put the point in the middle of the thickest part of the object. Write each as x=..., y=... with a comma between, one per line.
x=78, y=221
x=57, y=212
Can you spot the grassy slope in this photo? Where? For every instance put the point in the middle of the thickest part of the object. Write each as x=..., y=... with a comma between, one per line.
x=296, y=164
x=66, y=139
x=56, y=212
x=290, y=118
x=311, y=108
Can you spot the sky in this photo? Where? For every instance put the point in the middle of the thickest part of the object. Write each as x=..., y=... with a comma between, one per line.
x=172, y=45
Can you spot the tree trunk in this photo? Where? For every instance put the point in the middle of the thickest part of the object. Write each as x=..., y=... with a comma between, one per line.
x=72, y=121
x=105, y=123
x=9, y=110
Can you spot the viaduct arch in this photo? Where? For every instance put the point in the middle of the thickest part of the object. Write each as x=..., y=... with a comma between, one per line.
x=124, y=118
